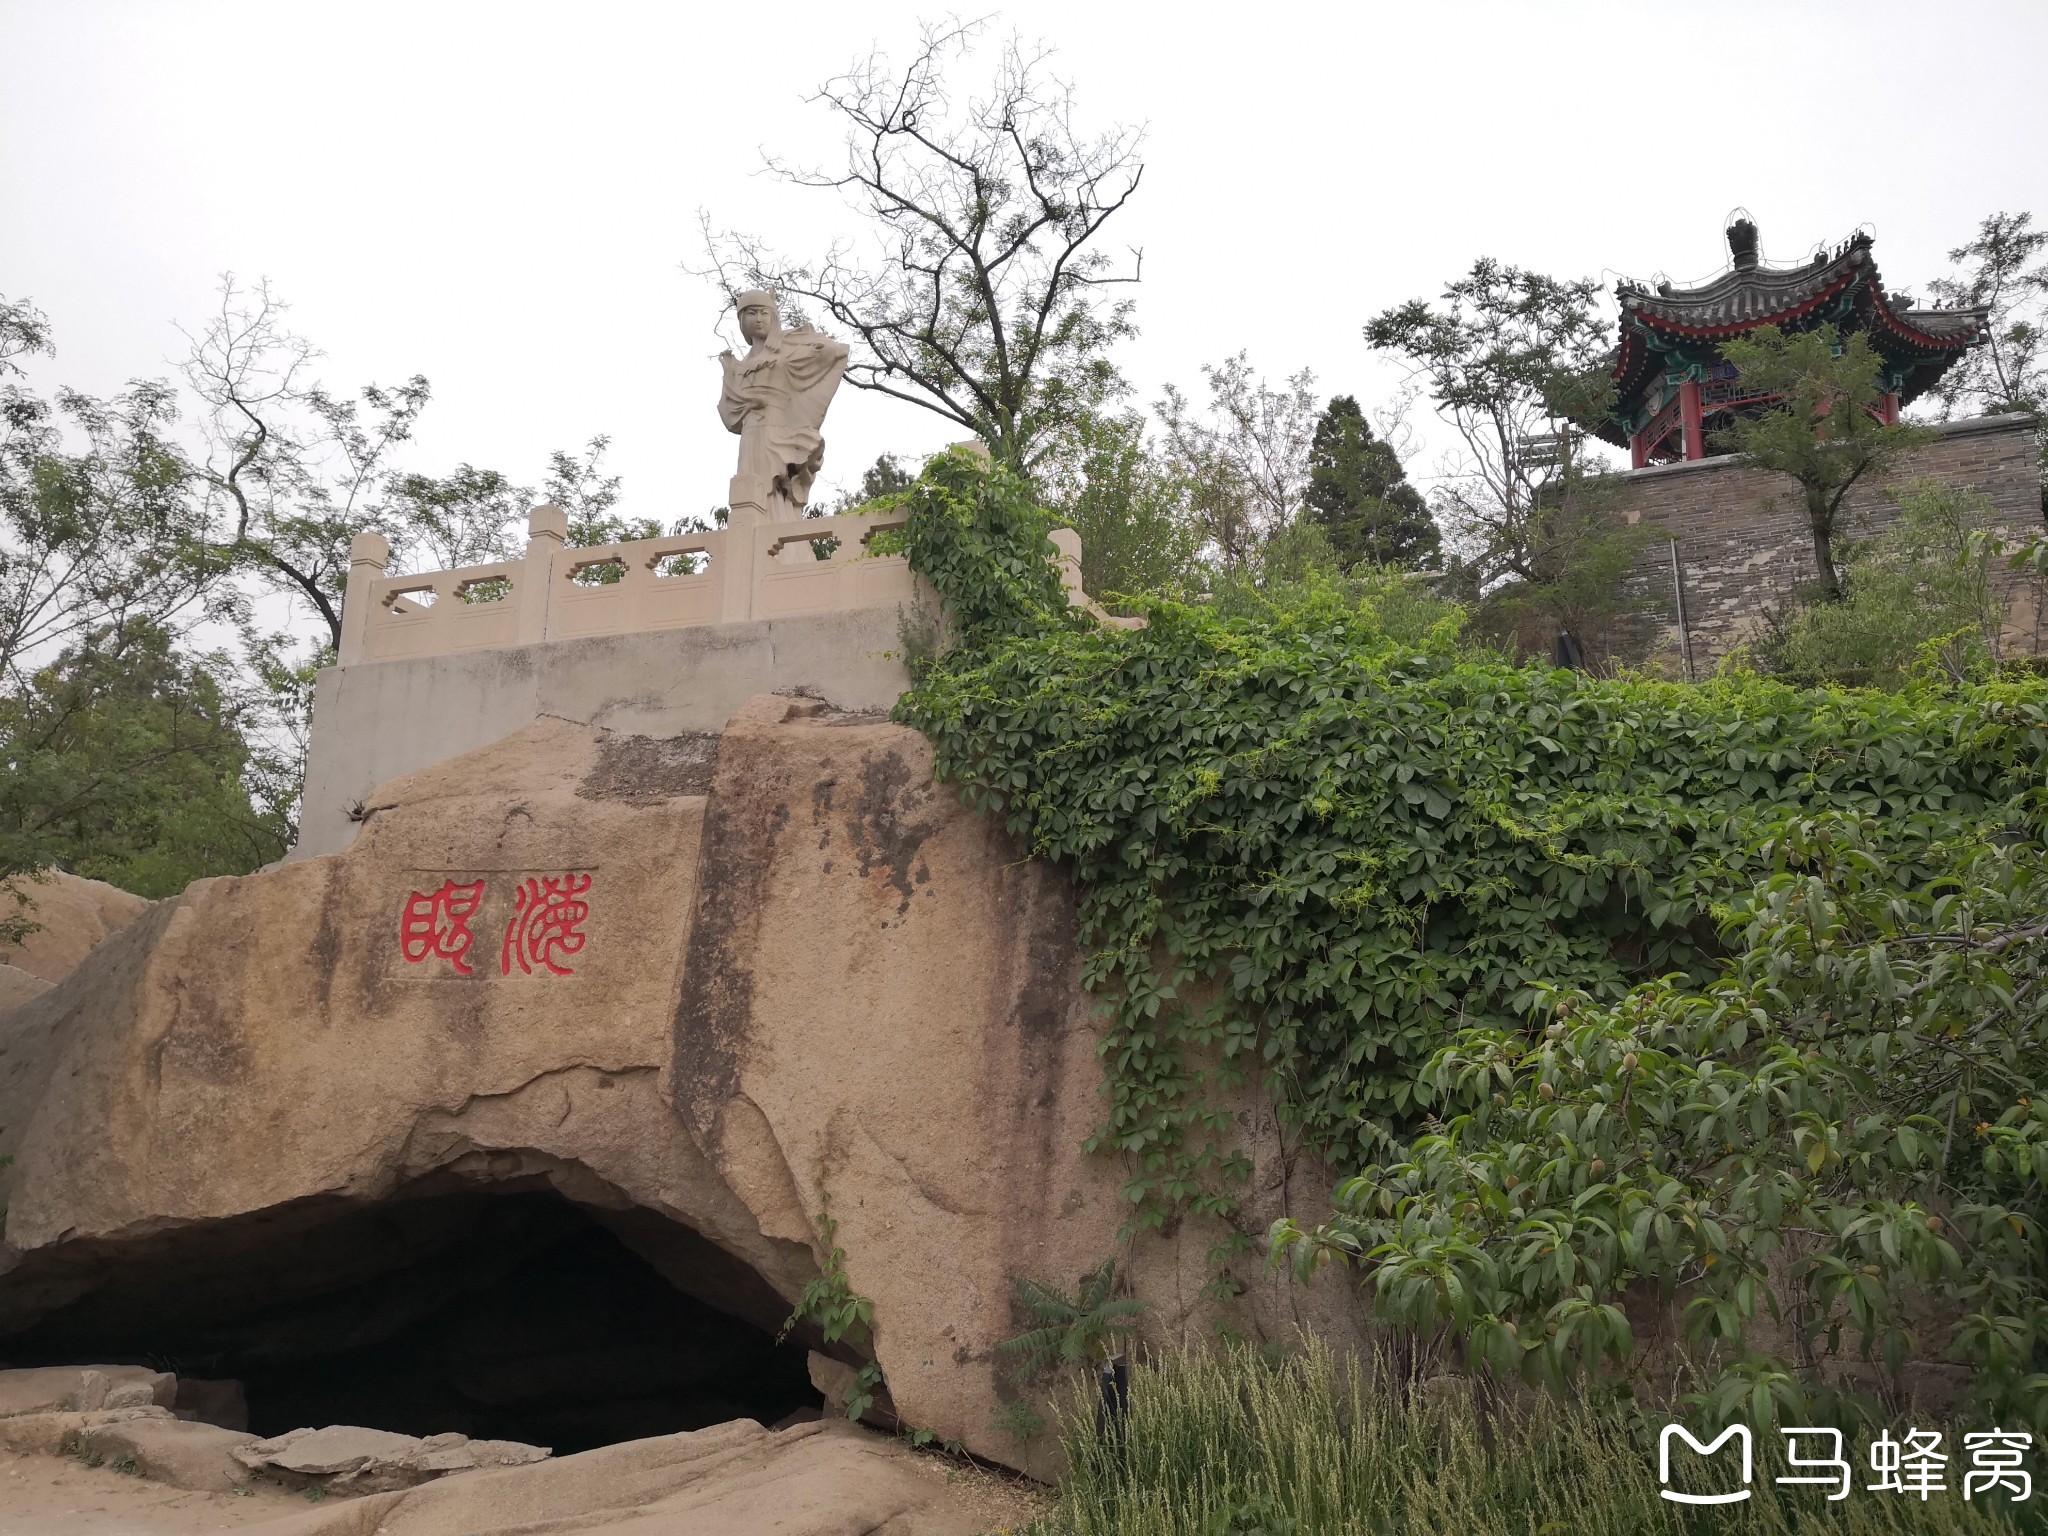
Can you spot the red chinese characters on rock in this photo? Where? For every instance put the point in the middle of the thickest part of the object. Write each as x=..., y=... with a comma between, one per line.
x=547, y=922
x=437, y=923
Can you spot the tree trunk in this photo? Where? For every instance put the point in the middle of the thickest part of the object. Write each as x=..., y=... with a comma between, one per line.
x=1820, y=518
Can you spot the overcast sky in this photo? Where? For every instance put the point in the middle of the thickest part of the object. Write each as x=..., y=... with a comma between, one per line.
x=503, y=196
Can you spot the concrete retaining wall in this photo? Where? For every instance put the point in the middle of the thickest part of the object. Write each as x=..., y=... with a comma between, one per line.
x=376, y=720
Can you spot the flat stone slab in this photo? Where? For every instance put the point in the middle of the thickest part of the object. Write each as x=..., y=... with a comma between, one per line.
x=84, y=1389
x=338, y=1448
x=360, y=1460
x=175, y=1451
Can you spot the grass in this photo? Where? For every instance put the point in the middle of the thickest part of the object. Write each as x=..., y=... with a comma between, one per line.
x=1224, y=1443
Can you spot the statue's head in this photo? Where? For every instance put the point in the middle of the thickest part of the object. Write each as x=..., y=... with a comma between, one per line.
x=758, y=320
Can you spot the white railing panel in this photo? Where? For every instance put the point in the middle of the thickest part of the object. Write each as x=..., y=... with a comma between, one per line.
x=753, y=569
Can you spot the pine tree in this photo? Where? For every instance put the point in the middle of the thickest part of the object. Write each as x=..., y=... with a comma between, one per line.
x=1361, y=497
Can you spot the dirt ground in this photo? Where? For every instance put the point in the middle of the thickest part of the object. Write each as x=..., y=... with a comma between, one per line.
x=56, y=1496
x=1003, y=1504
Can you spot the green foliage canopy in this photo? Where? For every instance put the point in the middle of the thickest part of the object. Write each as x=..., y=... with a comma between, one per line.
x=1359, y=493
x=1133, y=508
x=129, y=762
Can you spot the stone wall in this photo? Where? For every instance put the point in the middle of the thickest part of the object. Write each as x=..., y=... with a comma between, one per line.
x=1744, y=548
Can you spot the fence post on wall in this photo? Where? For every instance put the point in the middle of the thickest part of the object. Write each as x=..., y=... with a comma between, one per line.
x=547, y=528
x=368, y=555
x=746, y=510
x=1684, y=628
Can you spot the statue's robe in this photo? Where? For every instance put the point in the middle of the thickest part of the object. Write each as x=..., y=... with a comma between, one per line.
x=775, y=399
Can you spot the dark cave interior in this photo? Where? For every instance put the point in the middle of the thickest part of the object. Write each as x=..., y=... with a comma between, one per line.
x=499, y=1314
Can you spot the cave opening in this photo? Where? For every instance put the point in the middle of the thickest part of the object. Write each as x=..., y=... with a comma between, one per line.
x=499, y=1314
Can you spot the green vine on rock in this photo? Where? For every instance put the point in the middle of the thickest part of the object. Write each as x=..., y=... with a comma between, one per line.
x=977, y=536
x=1311, y=843
x=840, y=1312
x=830, y=1300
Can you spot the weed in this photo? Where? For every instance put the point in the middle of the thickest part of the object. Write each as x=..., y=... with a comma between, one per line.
x=1019, y=1420
x=1223, y=1443
x=866, y=1383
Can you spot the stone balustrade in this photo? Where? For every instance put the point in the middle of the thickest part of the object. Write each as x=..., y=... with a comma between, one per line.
x=750, y=569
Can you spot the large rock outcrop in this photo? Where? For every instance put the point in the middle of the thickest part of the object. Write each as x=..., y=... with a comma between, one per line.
x=701, y=988
x=72, y=917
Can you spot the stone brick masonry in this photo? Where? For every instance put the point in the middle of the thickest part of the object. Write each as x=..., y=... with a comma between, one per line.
x=1743, y=545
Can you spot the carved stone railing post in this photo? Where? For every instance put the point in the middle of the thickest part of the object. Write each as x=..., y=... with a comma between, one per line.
x=368, y=554
x=547, y=528
x=1068, y=543
x=746, y=511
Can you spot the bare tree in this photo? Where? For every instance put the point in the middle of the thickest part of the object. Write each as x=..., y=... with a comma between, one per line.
x=295, y=469
x=1247, y=457
x=986, y=304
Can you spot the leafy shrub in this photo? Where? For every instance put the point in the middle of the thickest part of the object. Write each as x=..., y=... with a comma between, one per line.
x=1837, y=1144
x=1076, y=1330
x=1924, y=581
x=975, y=533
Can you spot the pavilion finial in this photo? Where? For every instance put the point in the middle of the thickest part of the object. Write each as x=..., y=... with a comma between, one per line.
x=1742, y=242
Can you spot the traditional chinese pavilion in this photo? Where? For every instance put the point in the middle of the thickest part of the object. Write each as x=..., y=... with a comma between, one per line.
x=1672, y=388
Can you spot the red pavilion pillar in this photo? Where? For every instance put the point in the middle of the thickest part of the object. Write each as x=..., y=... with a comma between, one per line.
x=1638, y=451
x=1888, y=409
x=1693, y=419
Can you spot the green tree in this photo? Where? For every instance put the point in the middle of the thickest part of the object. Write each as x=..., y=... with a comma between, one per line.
x=98, y=534
x=120, y=756
x=2002, y=270
x=1360, y=495
x=579, y=485
x=127, y=762
x=469, y=517
x=1513, y=360
x=1135, y=514
x=885, y=477
x=1823, y=429
x=992, y=304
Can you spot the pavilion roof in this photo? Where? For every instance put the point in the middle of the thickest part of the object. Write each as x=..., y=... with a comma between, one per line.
x=1921, y=341
x=1745, y=297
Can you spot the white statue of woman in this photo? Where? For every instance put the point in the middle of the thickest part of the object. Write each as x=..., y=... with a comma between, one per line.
x=775, y=399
